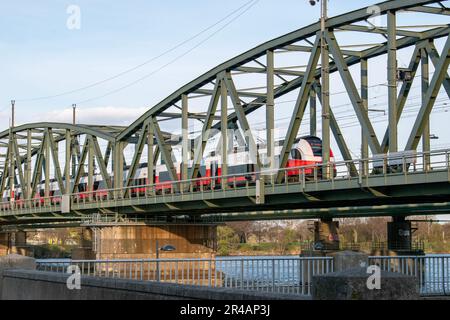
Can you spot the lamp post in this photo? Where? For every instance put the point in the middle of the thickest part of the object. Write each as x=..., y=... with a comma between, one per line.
x=166, y=248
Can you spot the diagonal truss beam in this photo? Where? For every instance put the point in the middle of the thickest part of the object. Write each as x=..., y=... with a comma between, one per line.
x=200, y=148
x=53, y=150
x=434, y=55
x=430, y=98
x=101, y=162
x=300, y=107
x=242, y=118
x=18, y=164
x=81, y=163
x=37, y=174
x=164, y=148
x=355, y=98
x=403, y=95
x=136, y=157
x=339, y=137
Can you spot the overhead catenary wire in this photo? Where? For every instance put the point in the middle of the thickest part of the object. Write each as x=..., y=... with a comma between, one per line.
x=247, y=6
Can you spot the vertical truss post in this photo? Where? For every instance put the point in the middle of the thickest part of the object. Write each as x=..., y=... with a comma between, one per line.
x=365, y=102
x=426, y=129
x=150, y=156
x=28, y=166
x=90, y=186
x=46, y=168
x=185, y=137
x=403, y=95
x=325, y=77
x=12, y=171
x=224, y=132
x=313, y=113
x=120, y=164
x=68, y=155
x=392, y=80
x=270, y=110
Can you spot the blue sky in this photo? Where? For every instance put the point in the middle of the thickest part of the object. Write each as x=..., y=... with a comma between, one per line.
x=41, y=57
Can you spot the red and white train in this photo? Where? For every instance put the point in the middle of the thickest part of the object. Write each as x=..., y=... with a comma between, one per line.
x=306, y=152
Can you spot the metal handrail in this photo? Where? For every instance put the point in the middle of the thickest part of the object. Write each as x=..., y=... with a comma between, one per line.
x=211, y=182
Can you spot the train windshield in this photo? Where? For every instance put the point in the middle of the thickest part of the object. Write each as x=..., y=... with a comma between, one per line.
x=316, y=145
x=296, y=155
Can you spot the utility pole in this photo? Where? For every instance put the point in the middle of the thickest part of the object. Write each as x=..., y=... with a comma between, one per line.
x=11, y=156
x=74, y=110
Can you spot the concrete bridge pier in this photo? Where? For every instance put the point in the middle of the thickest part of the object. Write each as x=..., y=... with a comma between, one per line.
x=326, y=235
x=400, y=234
x=14, y=242
x=142, y=241
x=5, y=244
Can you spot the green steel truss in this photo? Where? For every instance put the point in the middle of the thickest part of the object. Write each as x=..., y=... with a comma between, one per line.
x=32, y=154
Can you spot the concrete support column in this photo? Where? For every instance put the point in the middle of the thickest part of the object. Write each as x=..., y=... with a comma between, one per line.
x=139, y=242
x=20, y=239
x=85, y=252
x=326, y=235
x=399, y=234
x=5, y=244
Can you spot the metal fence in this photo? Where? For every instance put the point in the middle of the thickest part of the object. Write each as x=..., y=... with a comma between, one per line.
x=289, y=275
x=280, y=275
x=432, y=272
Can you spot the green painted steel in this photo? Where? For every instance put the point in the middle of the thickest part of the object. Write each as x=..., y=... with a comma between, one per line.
x=32, y=150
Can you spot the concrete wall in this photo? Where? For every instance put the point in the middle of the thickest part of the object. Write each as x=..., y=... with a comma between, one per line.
x=35, y=285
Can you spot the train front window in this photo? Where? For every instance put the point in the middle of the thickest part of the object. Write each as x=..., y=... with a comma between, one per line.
x=296, y=155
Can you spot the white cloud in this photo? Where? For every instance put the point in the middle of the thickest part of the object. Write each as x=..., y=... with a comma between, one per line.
x=110, y=115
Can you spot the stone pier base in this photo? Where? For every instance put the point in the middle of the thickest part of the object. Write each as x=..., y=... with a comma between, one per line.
x=353, y=285
x=140, y=242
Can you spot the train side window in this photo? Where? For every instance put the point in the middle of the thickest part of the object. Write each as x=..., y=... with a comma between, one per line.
x=296, y=155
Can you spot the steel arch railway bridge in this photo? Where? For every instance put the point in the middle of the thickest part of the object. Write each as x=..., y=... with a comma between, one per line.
x=37, y=159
